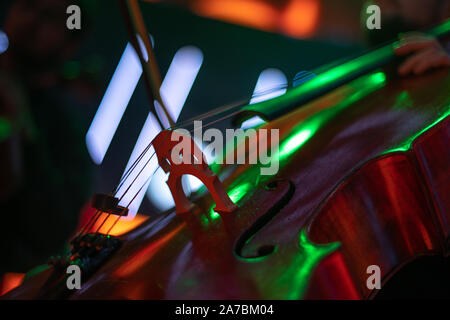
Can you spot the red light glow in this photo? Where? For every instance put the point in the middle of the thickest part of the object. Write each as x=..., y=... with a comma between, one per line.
x=10, y=281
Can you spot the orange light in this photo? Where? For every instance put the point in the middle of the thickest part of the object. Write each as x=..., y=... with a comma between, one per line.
x=143, y=256
x=121, y=227
x=10, y=281
x=251, y=13
x=300, y=18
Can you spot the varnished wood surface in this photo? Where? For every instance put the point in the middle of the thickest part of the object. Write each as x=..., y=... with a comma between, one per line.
x=345, y=184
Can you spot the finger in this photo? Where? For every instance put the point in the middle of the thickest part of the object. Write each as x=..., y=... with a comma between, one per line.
x=433, y=60
x=412, y=46
x=410, y=37
x=442, y=61
x=409, y=64
x=424, y=64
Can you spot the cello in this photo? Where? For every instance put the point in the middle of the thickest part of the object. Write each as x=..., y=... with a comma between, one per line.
x=363, y=181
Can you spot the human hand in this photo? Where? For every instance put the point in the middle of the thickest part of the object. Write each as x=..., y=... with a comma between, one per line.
x=426, y=53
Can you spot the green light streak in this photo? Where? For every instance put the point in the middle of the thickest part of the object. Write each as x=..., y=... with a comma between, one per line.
x=323, y=80
x=36, y=270
x=299, y=136
x=300, y=270
x=306, y=130
x=406, y=145
x=336, y=73
x=295, y=142
x=377, y=78
x=235, y=194
x=441, y=29
x=238, y=192
x=333, y=75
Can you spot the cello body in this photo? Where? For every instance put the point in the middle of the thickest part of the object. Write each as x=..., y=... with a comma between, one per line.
x=363, y=180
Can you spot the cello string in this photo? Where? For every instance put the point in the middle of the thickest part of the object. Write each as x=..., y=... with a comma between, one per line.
x=85, y=225
x=153, y=153
x=123, y=210
x=227, y=107
x=140, y=189
x=134, y=197
x=101, y=224
x=98, y=213
x=190, y=121
x=148, y=146
x=89, y=221
x=206, y=115
x=142, y=154
x=137, y=176
x=131, y=168
x=97, y=216
x=148, y=161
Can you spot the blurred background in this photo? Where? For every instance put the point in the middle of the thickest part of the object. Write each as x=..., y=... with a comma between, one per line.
x=74, y=111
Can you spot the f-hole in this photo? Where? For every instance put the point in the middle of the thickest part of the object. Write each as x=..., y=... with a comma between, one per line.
x=267, y=249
